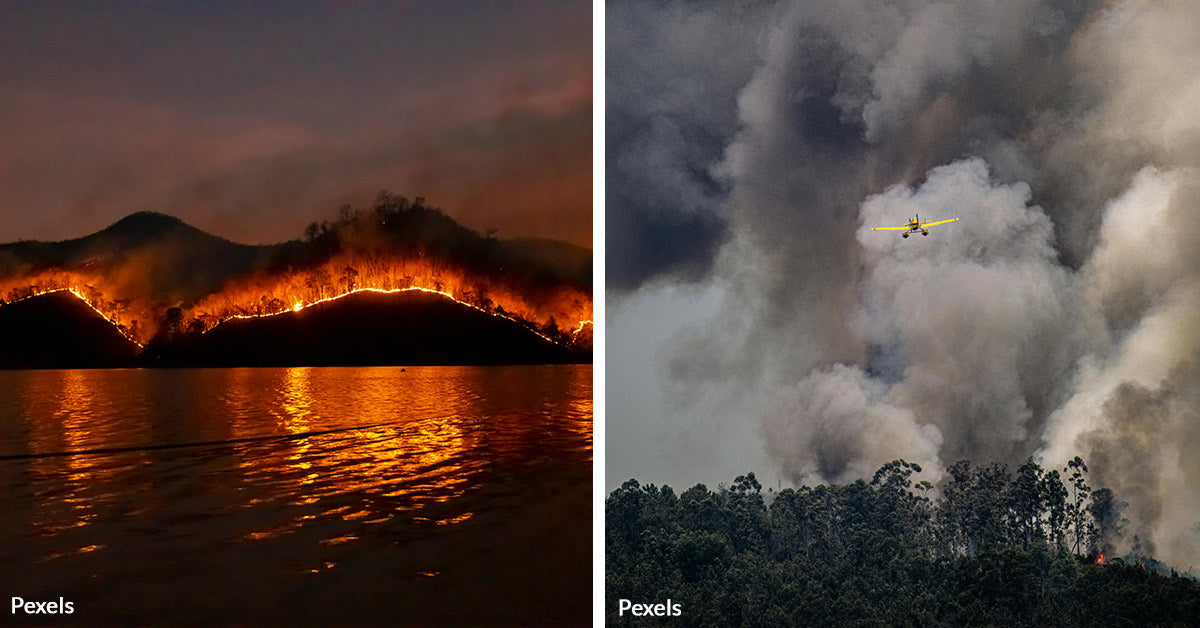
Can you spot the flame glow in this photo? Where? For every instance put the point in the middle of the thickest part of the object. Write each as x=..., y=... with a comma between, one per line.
x=302, y=306
x=561, y=315
x=111, y=316
x=350, y=273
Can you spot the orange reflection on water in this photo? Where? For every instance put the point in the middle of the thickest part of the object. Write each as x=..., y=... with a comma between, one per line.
x=388, y=455
x=334, y=458
x=71, y=499
x=297, y=399
x=295, y=414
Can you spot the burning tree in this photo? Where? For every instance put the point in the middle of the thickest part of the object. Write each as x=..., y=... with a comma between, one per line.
x=393, y=246
x=993, y=550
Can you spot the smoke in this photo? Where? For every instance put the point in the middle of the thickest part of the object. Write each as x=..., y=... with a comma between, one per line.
x=680, y=67
x=1055, y=318
x=218, y=115
x=837, y=424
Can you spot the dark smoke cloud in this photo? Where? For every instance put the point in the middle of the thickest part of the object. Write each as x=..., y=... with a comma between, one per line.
x=659, y=230
x=1138, y=418
x=673, y=71
x=1052, y=320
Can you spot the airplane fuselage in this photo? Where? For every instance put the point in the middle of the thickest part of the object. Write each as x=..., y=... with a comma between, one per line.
x=914, y=226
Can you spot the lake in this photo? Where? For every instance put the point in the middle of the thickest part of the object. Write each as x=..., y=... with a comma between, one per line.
x=298, y=496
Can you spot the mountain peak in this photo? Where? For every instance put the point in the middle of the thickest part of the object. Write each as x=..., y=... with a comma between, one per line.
x=146, y=223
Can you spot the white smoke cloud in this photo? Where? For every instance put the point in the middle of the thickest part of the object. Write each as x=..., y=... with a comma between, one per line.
x=969, y=327
x=1134, y=411
x=1055, y=318
x=1134, y=407
x=1147, y=246
x=937, y=44
x=838, y=425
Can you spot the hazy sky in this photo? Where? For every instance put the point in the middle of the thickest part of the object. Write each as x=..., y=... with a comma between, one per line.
x=756, y=323
x=252, y=119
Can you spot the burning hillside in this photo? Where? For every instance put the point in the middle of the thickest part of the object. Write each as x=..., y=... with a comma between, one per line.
x=58, y=330
x=367, y=327
x=155, y=278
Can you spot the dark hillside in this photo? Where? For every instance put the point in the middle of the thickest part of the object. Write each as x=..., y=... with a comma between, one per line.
x=58, y=330
x=365, y=328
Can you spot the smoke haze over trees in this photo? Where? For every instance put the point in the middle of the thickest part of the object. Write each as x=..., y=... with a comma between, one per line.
x=1056, y=316
x=998, y=548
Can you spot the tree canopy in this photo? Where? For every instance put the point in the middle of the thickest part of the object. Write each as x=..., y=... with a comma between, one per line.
x=994, y=548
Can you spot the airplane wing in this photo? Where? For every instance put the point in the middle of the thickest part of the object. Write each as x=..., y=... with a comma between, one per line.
x=889, y=228
x=940, y=222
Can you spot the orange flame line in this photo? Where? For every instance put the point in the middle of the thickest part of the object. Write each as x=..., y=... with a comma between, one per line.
x=89, y=304
x=80, y=290
x=303, y=306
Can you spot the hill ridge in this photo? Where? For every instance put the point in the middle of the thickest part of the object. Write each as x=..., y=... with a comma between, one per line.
x=59, y=329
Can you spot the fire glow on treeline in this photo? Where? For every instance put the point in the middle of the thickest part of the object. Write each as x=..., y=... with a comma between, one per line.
x=109, y=315
x=270, y=296
x=984, y=547
x=340, y=277
x=358, y=257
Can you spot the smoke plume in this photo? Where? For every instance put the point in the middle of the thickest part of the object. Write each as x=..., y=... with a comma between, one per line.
x=1055, y=318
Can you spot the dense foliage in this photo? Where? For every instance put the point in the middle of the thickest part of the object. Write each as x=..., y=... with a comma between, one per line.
x=414, y=229
x=993, y=549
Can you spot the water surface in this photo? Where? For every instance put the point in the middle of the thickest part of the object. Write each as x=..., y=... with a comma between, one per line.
x=299, y=496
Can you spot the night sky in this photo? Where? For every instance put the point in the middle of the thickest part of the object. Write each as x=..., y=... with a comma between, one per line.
x=250, y=120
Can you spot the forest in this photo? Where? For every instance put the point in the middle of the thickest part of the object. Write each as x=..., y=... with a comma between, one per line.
x=157, y=279
x=987, y=547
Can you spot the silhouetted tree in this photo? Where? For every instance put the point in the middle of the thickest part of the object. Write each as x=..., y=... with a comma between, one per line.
x=989, y=552
x=1080, y=492
x=349, y=278
x=173, y=322
x=312, y=231
x=1106, y=512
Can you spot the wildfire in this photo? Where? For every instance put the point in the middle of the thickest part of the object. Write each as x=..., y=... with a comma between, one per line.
x=345, y=274
x=1100, y=559
x=138, y=315
x=581, y=336
x=79, y=295
x=298, y=306
x=133, y=313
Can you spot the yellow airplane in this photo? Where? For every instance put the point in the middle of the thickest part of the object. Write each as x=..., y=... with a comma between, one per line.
x=914, y=226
